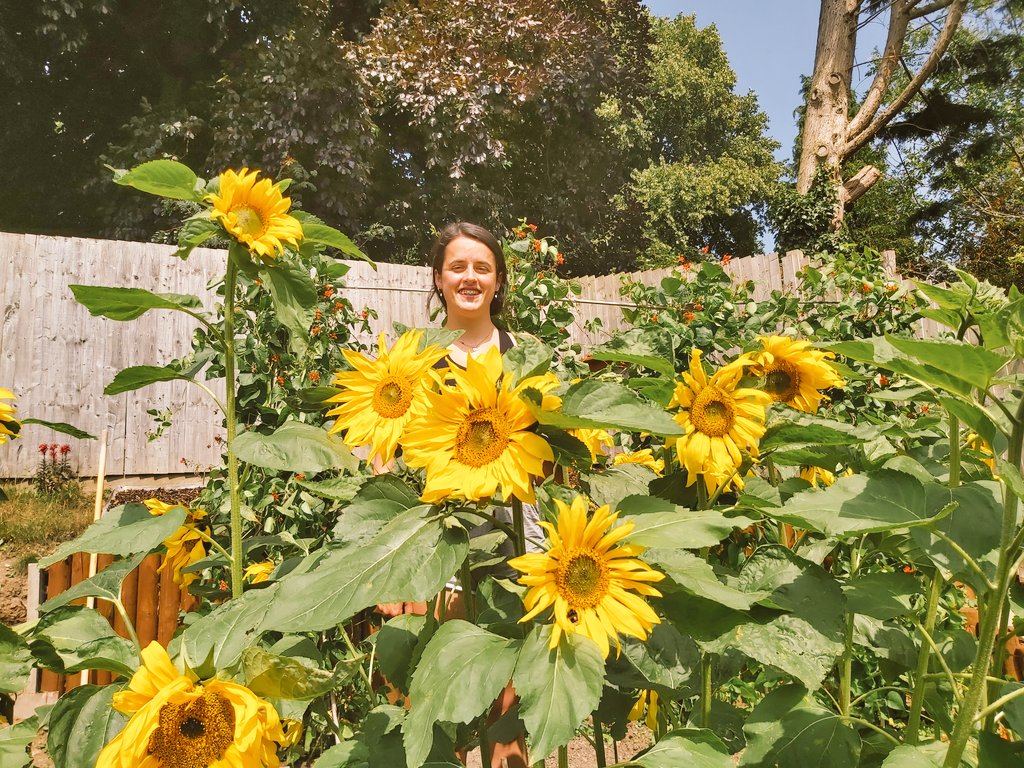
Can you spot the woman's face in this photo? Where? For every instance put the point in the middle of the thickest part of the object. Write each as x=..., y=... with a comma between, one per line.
x=469, y=277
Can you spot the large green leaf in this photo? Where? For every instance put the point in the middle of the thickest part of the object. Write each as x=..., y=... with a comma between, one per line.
x=130, y=303
x=697, y=577
x=283, y=677
x=74, y=638
x=410, y=558
x=974, y=525
x=461, y=672
x=789, y=729
x=689, y=748
x=63, y=428
x=217, y=640
x=800, y=429
x=166, y=178
x=15, y=661
x=122, y=531
x=529, y=357
x=667, y=660
x=806, y=638
x=380, y=499
x=105, y=584
x=315, y=231
x=14, y=743
x=557, y=688
x=638, y=347
x=335, y=488
x=602, y=404
x=396, y=643
x=294, y=297
x=295, y=447
x=883, y=500
x=612, y=485
x=1014, y=709
x=931, y=755
x=82, y=722
x=662, y=524
x=139, y=376
x=881, y=595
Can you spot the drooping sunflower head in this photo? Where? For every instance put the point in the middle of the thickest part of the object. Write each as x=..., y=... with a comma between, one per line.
x=794, y=373
x=257, y=573
x=10, y=427
x=643, y=457
x=475, y=437
x=255, y=213
x=178, y=723
x=591, y=580
x=596, y=441
x=380, y=396
x=721, y=419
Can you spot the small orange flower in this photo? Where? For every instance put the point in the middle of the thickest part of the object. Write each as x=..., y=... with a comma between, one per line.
x=275, y=495
x=866, y=287
x=274, y=359
x=333, y=336
x=300, y=476
x=908, y=569
x=698, y=307
x=533, y=227
x=328, y=292
x=314, y=331
x=883, y=380
x=314, y=376
x=259, y=283
x=689, y=317
x=540, y=275
x=365, y=314
x=338, y=306
x=280, y=381
x=726, y=259
x=654, y=318
x=705, y=250
x=537, y=245
x=559, y=259
x=316, y=315
x=924, y=408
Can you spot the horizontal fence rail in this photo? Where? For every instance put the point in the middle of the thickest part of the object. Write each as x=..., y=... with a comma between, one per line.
x=57, y=358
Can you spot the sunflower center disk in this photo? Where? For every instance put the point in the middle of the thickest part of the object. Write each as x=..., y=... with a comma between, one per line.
x=713, y=412
x=249, y=221
x=392, y=397
x=782, y=381
x=193, y=735
x=482, y=438
x=583, y=580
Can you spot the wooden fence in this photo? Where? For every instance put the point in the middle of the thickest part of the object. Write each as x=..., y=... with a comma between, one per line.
x=57, y=358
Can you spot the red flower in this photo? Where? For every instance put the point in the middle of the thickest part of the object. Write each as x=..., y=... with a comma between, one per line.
x=43, y=448
x=314, y=376
x=65, y=449
x=365, y=314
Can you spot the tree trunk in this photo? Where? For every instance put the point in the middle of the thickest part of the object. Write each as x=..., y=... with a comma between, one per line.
x=828, y=100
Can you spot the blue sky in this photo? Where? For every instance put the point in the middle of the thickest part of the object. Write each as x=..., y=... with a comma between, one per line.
x=770, y=44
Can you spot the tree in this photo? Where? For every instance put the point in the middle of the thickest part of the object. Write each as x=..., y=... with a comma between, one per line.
x=831, y=134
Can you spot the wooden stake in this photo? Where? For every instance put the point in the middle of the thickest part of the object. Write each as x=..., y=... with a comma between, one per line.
x=97, y=512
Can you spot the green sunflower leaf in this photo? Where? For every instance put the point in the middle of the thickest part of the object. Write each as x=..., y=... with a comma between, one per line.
x=294, y=298
x=166, y=178
x=688, y=748
x=557, y=687
x=123, y=531
x=604, y=405
x=81, y=723
x=15, y=661
x=461, y=672
x=130, y=303
x=296, y=447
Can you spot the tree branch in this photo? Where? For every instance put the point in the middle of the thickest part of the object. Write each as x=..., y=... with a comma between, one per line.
x=855, y=186
x=930, y=8
x=899, y=20
x=855, y=142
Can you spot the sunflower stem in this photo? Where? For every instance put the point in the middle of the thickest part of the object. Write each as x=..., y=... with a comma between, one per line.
x=563, y=756
x=921, y=673
x=599, y=743
x=230, y=280
x=519, y=526
x=705, y=689
x=128, y=625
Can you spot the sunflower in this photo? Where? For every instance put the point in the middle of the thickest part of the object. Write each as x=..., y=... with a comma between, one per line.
x=643, y=457
x=474, y=438
x=178, y=723
x=254, y=213
x=380, y=396
x=588, y=580
x=257, y=573
x=976, y=443
x=647, y=700
x=794, y=373
x=594, y=439
x=185, y=546
x=814, y=475
x=9, y=426
x=720, y=420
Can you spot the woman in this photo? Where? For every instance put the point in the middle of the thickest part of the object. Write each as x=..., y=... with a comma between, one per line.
x=469, y=280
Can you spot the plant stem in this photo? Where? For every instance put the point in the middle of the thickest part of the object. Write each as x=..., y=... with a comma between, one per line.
x=705, y=689
x=990, y=619
x=128, y=624
x=599, y=743
x=519, y=525
x=230, y=278
x=846, y=669
x=999, y=703
x=954, y=450
x=1000, y=657
x=921, y=671
x=563, y=757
